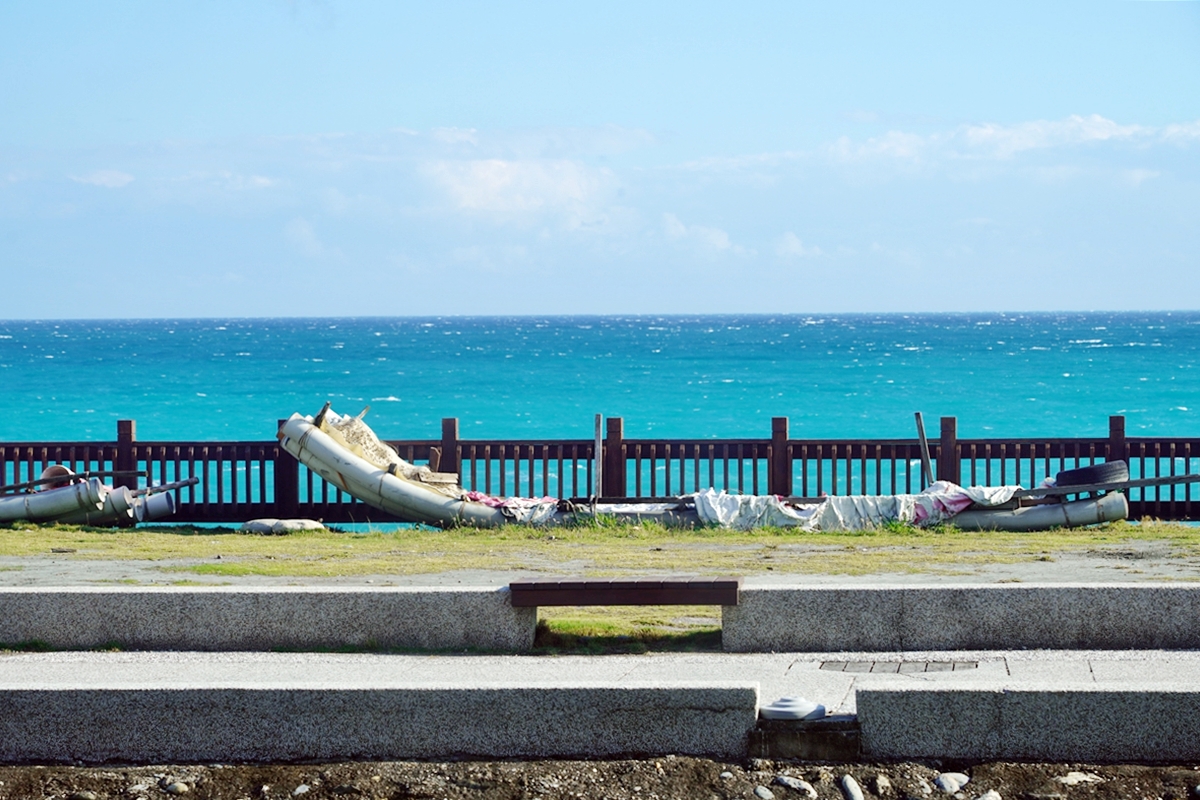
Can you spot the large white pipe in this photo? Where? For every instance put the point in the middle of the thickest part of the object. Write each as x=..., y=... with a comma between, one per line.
x=378, y=488
x=1110, y=508
x=117, y=508
x=154, y=506
x=53, y=503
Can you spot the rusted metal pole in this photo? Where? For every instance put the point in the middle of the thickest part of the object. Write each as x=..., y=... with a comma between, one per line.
x=926, y=462
x=598, y=458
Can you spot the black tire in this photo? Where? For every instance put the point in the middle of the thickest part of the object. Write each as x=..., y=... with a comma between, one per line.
x=1107, y=472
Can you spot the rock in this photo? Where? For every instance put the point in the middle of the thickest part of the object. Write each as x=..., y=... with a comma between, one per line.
x=301, y=789
x=176, y=787
x=280, y=526
x=1076, y=778
x=951, y=782
x=763, y=793
x=83, y=795
x=796, y=785
x=881, y=786
x=851, y=789
x=990, y=794
x=726, y=774
x=291, y=525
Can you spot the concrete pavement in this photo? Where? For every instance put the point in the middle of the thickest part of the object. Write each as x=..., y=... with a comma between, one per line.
x=1045, y=705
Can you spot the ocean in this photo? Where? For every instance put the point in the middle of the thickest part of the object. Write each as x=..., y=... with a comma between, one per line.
x=838, y=375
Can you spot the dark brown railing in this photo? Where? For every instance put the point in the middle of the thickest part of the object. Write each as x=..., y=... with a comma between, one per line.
x=246, y=480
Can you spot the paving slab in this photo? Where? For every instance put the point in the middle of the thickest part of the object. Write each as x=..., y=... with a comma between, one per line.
x=1010, y=704
x=181, y=707
x=222, y=618
x=950, y=617
x=1117, y=721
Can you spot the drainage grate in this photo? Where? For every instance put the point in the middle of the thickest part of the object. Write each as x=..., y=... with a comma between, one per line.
x=904, y=667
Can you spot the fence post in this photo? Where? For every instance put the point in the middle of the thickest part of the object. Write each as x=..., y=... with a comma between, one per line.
x=287, y=482
x=1118, y=450
x=947, y=463
x=613, y=476
x=449, y=460
x=779, y=478
x=126, y=436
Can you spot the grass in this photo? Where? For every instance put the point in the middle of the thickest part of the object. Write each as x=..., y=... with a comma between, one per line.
x=607, y=550
x=187, y=555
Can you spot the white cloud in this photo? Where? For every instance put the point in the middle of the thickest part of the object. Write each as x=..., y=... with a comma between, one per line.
x=1182, y=132
x=230, y=181
x=705, y=238
x=894, y=144
x=504, y=186
x=493, y=258
x=790, y=246
x=1136, y=177
x=993, y=141
x=1004, y=141
x=454, y=135
x=108, y=178
x=726, y=163
x=303, y=239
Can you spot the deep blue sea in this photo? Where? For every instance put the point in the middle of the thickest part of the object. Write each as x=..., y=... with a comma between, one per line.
x=694, y=376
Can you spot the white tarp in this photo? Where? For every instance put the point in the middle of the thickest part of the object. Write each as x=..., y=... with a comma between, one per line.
x=939, y=502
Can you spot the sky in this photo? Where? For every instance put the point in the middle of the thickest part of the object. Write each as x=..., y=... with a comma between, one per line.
x=270, y=158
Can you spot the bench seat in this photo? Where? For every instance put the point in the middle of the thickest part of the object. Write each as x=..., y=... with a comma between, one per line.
x=627, y=592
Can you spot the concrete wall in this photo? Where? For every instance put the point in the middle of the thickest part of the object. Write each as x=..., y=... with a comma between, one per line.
x=157, y=725
x=998, y=617
x=1086, y=723
x=265, y=618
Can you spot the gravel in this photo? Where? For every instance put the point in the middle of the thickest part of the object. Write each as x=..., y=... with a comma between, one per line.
x=644, y=779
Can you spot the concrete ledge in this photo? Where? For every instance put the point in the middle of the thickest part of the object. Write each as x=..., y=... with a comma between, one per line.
x=1089, y=723
x=266, y=618
x=1006, y=617
x=156, y=725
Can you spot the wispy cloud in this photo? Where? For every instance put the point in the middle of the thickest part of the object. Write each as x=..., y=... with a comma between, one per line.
x=108, y=178
x=230, y=181
x=1136, y=177
x=790, y=246
x=993, y=141
x=1004, y=141
x=512, y=187
x=705, y=239
x=894, y=144
x=303, y=239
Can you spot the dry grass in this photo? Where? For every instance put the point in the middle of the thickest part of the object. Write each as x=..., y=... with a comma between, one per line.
x=606, y=550
x=594, y=550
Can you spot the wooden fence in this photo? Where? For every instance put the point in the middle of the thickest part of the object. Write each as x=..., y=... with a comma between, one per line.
x=247, y=480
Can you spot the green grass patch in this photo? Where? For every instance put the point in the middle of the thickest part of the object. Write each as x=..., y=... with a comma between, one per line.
x=628, y=629
x=603, y=549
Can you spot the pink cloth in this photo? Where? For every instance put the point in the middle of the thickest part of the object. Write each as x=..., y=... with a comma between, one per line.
x=508, y=502
x=949, y=502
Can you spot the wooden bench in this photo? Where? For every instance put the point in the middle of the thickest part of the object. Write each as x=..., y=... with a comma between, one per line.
x=626, y=592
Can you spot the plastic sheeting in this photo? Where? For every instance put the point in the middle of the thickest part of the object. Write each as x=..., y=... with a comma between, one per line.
x=940, y=502
x=528, y=510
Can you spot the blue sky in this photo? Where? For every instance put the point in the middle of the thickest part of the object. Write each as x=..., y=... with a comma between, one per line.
x=313, y=159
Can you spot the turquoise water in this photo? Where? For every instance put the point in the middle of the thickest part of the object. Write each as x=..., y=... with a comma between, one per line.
x=700, y=376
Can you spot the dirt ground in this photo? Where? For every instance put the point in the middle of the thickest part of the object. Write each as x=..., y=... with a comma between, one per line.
x=645, y=779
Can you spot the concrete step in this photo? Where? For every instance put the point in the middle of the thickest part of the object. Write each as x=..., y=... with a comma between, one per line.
x=169, y=706
x=766, y=618
x=193, y=707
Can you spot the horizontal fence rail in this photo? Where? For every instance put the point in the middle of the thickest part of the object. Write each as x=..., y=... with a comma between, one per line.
x=238, y=481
